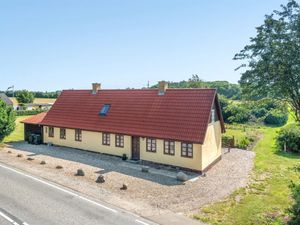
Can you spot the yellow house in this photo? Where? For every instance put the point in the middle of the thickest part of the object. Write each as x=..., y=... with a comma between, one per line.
x=176, y=127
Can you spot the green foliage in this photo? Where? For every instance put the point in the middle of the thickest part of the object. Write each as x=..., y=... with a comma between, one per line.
x=24, y=97
x=295, y=209
x=7, y=120
x=37, y=94
x=269, y=111
x=243, y=143
x=236, y=113
x=289, y=136
x=231, y=91
x=224, y=102
x=28, y=112
x=273, y=59
x=276, y=117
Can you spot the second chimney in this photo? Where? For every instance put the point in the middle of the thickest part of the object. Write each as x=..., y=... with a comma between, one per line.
x=96, y=88
x=162, y=87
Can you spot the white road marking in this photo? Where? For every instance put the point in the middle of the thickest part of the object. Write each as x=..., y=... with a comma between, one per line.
x=141, y=222
x=59, y=188
x=8, y=219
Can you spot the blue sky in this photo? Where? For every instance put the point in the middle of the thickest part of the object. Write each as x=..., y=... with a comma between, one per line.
x=60, y=44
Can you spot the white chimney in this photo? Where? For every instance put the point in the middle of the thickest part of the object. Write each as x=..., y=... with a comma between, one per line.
x=96, y=87
x=162, y=87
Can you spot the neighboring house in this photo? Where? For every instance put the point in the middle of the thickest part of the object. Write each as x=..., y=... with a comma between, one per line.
x=178, y=127
x=6, y=99
x=33, y=106
x=38, y=103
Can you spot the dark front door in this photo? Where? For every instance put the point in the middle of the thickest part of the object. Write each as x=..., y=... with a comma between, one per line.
x=135, y=148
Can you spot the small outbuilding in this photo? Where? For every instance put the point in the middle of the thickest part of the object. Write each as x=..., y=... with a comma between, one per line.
x=32, y=125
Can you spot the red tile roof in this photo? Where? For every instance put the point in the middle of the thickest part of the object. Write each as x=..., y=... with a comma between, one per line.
x=36, y=119
x=180, y=114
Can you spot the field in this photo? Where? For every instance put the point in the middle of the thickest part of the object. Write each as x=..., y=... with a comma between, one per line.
x=267, y=198
x=18, y=133
x=37, y=100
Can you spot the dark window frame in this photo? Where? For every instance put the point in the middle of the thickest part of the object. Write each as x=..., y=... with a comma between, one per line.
x=78, y=135
x=106, y=139
x=170, y=150
x=51, y=132
x=151, y=145
x=187, y=147
x=62, y=133
x=119, y=140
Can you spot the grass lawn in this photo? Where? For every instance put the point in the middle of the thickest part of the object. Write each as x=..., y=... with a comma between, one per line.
x=241, y=132
x=18, y=133
x=268, y=196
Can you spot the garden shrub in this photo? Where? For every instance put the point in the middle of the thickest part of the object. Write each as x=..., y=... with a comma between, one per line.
x=289, y=135
x=243, y=143
x=7, y=120
x=276, y=117
x=28, y=112
x=235, y=113
x=295, y=209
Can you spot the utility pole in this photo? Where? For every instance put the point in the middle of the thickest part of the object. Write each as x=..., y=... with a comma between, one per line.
x=148, y=84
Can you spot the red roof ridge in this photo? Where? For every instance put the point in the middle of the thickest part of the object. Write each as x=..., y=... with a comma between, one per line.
x=141, y=89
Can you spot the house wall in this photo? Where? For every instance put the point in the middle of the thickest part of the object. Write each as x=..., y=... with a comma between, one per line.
x=175, y=160
x=91, y=141
x=203, y=155
x=212, y=146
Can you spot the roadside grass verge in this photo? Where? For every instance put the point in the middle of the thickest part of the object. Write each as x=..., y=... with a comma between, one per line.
x=268, y=196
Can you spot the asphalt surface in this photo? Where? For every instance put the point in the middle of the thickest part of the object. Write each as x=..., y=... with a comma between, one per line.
x=28, y=200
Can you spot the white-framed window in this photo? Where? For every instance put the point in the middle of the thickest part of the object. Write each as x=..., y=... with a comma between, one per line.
x=151, y=145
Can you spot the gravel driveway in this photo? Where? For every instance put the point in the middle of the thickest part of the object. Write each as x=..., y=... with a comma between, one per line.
x=148, y=193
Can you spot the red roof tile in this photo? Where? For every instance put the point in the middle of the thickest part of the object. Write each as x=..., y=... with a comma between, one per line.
x=180, y=114
x=36, y=119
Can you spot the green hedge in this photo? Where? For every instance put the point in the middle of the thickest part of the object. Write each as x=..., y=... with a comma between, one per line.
x=276, y=117
x=289, y=137
x=28, y=112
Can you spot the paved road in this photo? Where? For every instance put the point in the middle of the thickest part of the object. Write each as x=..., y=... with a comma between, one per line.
x=25, y=199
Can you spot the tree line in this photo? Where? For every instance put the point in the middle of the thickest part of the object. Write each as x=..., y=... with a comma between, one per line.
x=36, y=94
x=225, y=88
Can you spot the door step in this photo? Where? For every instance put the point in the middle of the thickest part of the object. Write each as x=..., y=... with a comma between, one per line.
x=133, y=161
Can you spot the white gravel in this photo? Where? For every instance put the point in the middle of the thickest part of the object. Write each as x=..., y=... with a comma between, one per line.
x=148, y=193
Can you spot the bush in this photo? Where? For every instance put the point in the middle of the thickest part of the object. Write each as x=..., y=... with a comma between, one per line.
x=243, y=143
x=235, y=113
x=28, y=112
x=7, y=120
x=276, y=117
x=295, y=210
x=289, y=136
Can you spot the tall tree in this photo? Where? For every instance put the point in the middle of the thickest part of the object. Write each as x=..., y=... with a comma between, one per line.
x=272, y=59
x=7, y=120
x=25, y=96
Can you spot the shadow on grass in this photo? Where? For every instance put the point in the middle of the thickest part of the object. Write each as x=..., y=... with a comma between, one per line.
x=290, y=155
x=295, y=209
